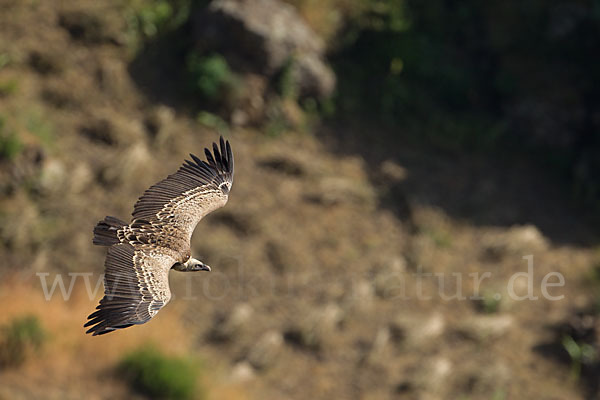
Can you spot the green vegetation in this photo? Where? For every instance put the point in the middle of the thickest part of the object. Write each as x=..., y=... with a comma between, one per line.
x=38, y=125
x=20, y=338
x=276, y=123
x=8, y=87
x=212, y=121
x=286, y=85
x=490, y=303
x=153, y=16
x=4, y=60
x=439, y=236
x=159, y=376
x=580, y=353
x=476, y=77
x=210, y=75
x=150, y=18
x=452, y=72
x=10, y=144
x=419, y=72
x=31, y=122
x=499, y=394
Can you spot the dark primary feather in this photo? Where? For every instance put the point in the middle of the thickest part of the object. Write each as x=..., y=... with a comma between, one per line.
x=105, y=232
x=127, y=299
x=192, y=174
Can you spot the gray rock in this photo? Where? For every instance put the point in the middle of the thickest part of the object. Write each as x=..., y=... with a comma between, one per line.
x=379, y=352
x=393, y=172
x=518, y=240
x=265, y=352
x=228, y=327
x=390, y=281
x=317, y=329
x=81, y=177
x=470, y=378
x=359, y=296
x=312, y=76
x=242, y=372
x=415, y=330
x=53, y=177
x=264, y=36
x=486, y=327
x=434, y=376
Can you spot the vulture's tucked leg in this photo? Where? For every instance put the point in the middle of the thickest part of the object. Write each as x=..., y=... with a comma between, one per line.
x=191, y=265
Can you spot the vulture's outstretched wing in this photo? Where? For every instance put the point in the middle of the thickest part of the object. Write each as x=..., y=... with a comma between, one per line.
x=197, y=188
x=136, y=287
x=136, y=282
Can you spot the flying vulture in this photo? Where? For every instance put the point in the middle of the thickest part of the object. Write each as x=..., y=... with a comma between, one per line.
x=141, y=253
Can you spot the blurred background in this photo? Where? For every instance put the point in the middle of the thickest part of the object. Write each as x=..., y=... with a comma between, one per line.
x=389, y=154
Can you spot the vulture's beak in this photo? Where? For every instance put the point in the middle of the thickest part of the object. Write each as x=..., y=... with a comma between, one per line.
x=205, y=267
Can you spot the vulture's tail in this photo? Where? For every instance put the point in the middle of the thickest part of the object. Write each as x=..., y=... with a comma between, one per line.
x=105, y=232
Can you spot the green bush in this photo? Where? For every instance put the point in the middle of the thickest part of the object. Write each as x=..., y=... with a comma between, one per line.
x=159, y=376
x=39, y=125
x=154, y=16
x=212, y=121
x=4, y=60
x=149, y=18
x=287, y=86
x=20, y=338
x=8, y=87
x=581, y=353
x=490, y=303
x=210, y=75
x=10, y=144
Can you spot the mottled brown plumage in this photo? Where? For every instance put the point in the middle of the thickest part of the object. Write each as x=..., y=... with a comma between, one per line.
x=141, y=253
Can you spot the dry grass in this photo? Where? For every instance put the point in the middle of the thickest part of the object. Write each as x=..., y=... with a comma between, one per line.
x=69, y=346
x=73, y=363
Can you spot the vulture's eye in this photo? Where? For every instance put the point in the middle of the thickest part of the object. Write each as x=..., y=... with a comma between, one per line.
x=224, y=188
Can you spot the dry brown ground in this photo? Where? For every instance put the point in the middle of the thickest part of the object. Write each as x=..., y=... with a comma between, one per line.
x=310, y=256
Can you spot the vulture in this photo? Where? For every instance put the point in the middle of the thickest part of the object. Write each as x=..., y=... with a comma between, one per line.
x=141, y=253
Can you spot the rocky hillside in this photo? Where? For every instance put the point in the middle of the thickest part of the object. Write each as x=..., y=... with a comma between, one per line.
x=345, y=265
